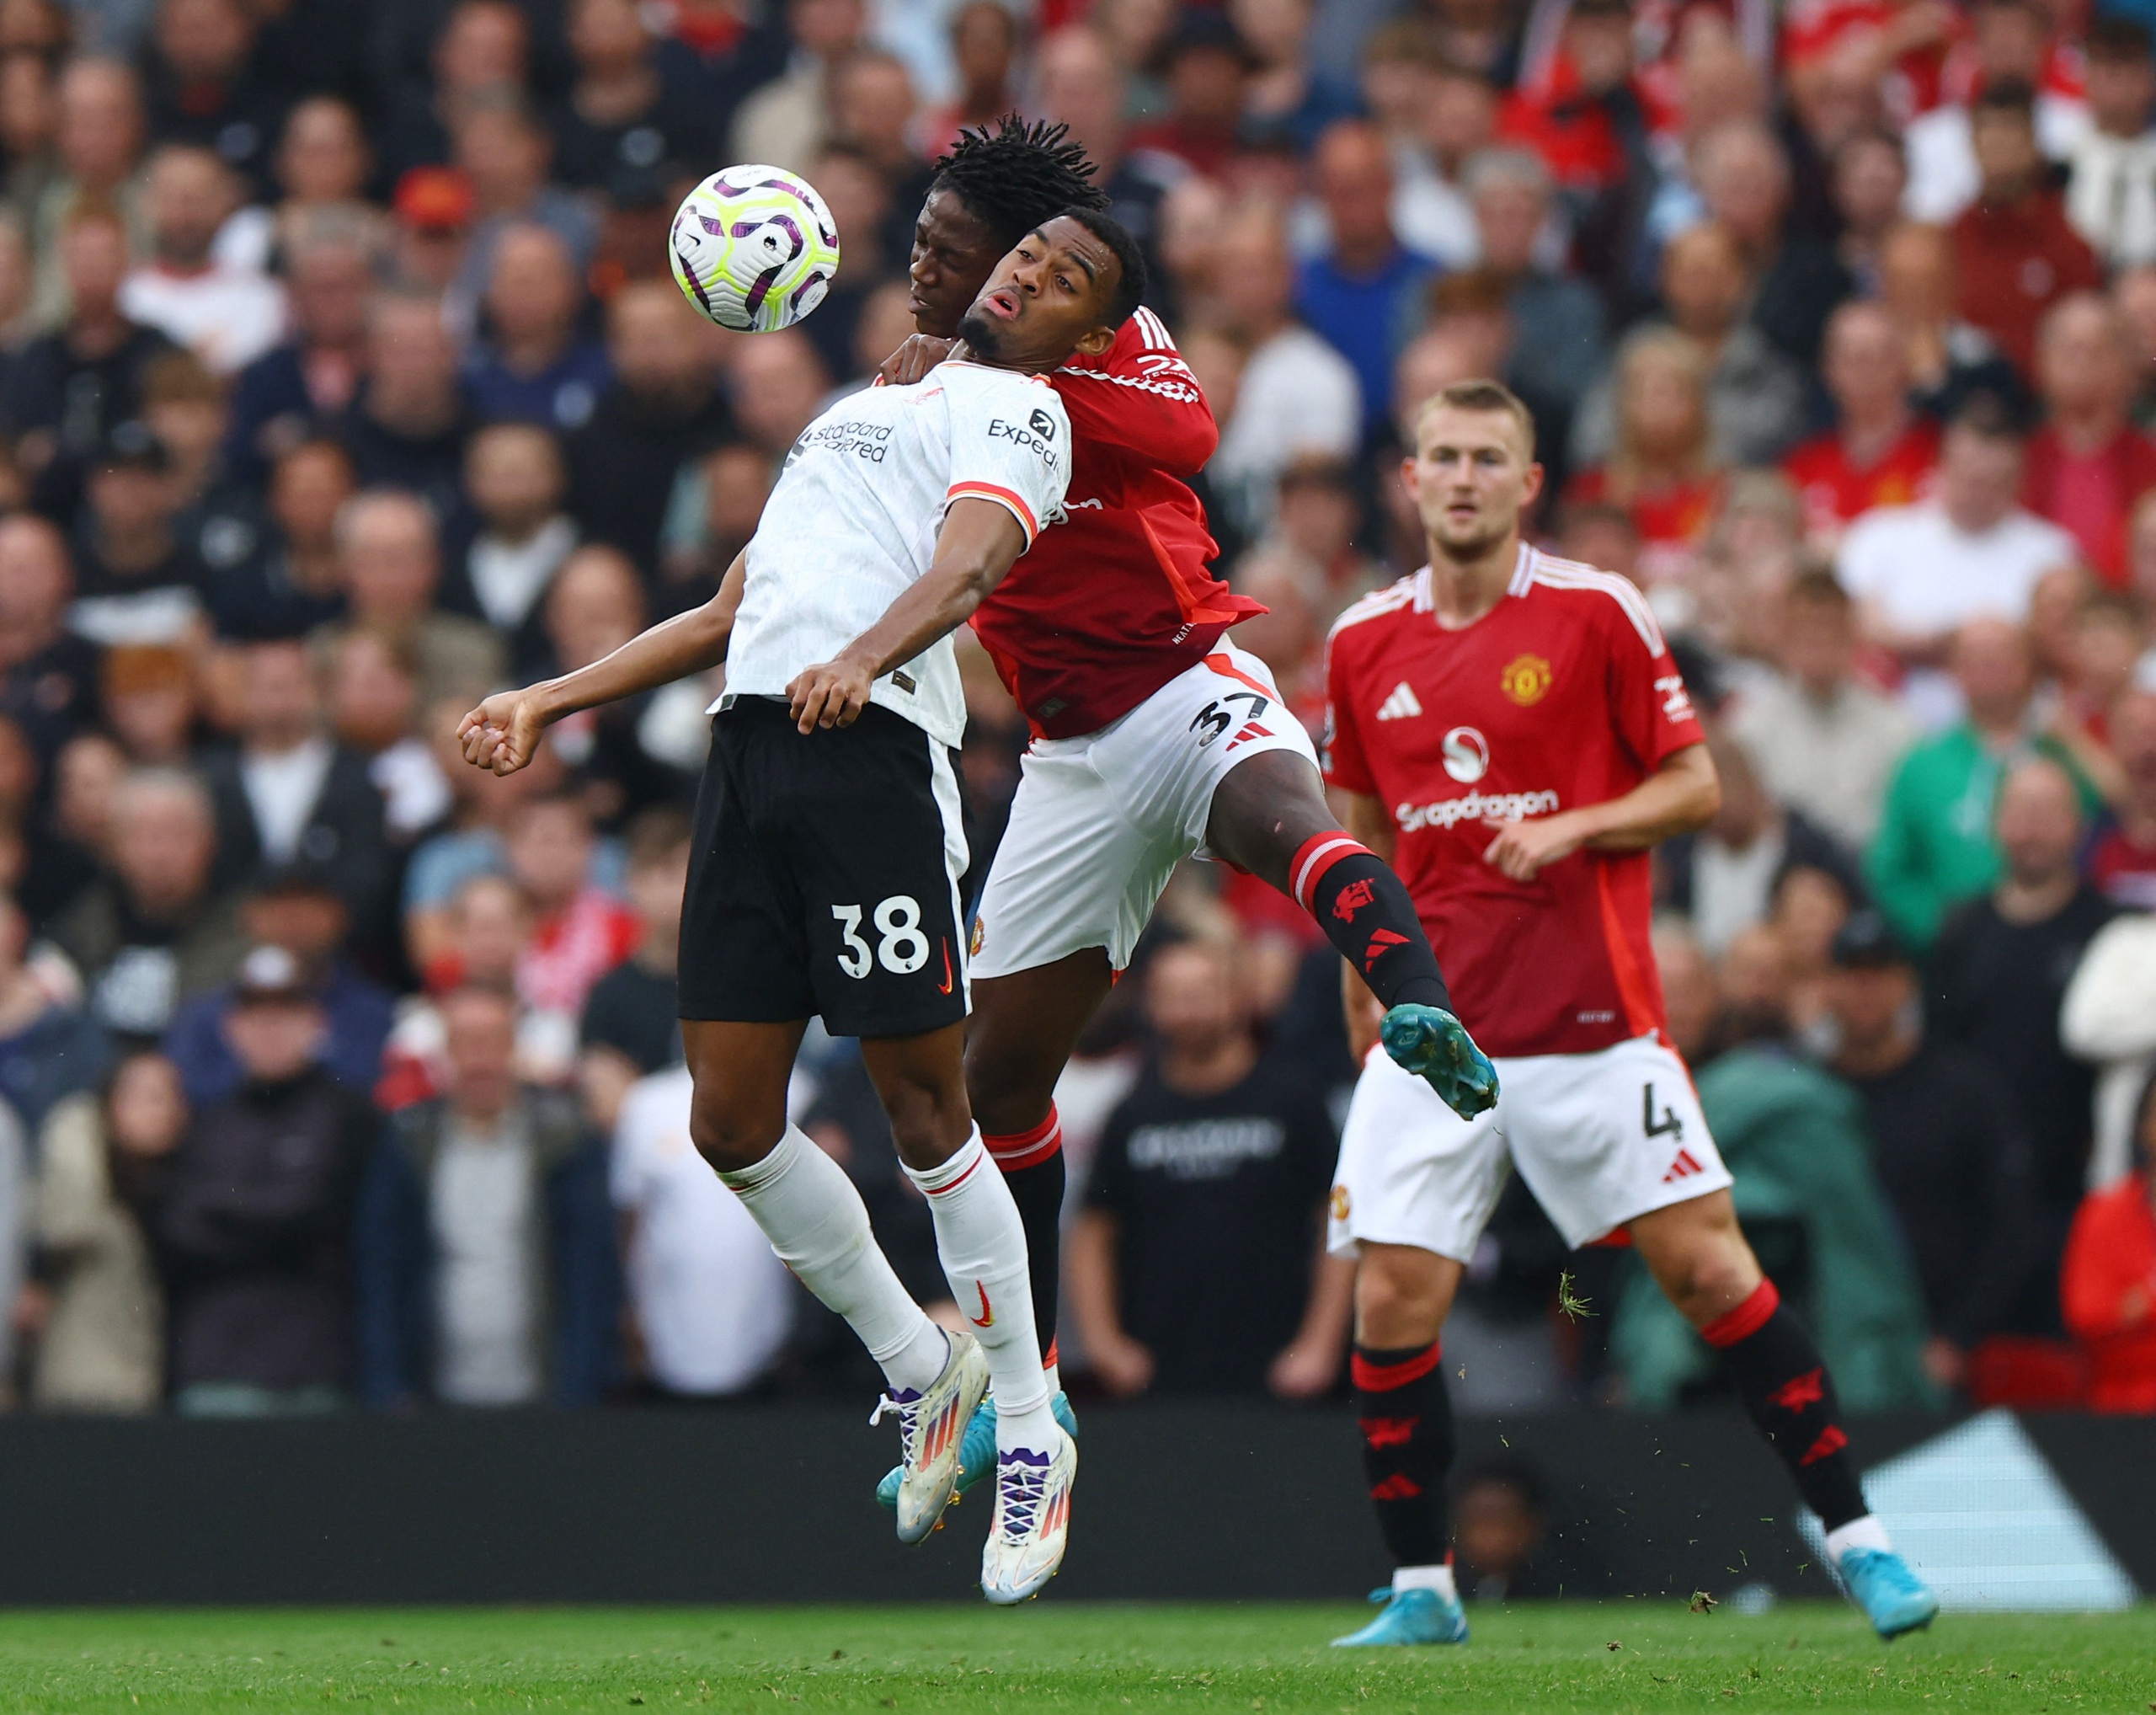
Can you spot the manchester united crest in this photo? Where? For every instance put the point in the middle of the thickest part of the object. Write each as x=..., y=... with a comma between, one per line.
x=1526, y=680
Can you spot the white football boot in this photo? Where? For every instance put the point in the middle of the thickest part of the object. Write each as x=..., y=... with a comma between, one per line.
x=1033, y=1521
x=931, y=1429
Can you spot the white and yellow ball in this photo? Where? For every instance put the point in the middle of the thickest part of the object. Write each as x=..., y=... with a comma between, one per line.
x=753, y=249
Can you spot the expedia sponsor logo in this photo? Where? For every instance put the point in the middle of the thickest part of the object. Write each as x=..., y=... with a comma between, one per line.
x=1034, y=443
x=1466, y=755
x=1475, y=807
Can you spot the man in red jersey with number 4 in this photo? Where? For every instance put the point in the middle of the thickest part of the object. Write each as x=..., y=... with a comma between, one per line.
x=1509, y=729
x=1153, y=738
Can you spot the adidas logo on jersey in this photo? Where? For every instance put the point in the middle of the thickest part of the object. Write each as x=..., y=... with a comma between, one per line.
x=1399, y=704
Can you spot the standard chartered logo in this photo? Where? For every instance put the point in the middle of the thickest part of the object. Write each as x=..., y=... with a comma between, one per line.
x=1475, y=807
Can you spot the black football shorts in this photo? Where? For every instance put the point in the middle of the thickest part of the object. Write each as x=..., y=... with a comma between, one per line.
x=824, y=877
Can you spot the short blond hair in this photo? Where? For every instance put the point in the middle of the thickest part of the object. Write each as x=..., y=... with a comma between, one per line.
x=1479, y=394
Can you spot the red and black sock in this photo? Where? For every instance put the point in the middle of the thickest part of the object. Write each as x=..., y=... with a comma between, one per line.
x=1033, y=1167
x=1785, y=1386
x=1365, y=912
x=1406, y=1417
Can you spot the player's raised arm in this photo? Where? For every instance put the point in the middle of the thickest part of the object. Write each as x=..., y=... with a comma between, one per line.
x=503, y=733
x=980, y=542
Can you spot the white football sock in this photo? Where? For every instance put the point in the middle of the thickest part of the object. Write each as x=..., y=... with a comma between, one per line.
x=1052, y=1373
x=1866, y=1532
x=982, y=1244
x=1425, y=1578
x=818, y=1227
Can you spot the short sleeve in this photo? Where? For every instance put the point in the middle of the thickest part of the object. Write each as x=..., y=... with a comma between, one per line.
x=1011, y=444
x=1340, y=753
x=1648, y=702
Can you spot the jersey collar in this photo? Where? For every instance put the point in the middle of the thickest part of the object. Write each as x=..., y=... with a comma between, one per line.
x=1522, y=580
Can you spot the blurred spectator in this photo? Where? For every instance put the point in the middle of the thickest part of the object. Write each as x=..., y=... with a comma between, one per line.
x=1078, y=80
x=1207, y=67
x=631, y=1026
x=407, y=425
x=204, y=88
x=1197, y=1265
x=1950, y=360
x=504, y=151
x=1946, y=1143
x=101, y=129
x=288, y=791
x=728, y=487
x=1298, y=394
x=154, y=930
x=227, y=316
x=67, y=391
x=2109, y=1285
x=486, y=1268
x=138, y=582
x=391, y=558
x=1920, y=571
x=2109, y=1018
x=1948, y=167
x=2000, y=974
x=621, y=112
x=1661, y=466
x=1743, y=176
x=254, y=1230
x=312, y=376
x=1363, y=292
x=1879, y=452
x=712, y=1306
x=1824, y=741
x=2111, y=197
x=323, y=161
x=150, y=703
x=2016, y=253
x=483, y=46
x=778, y=384
x=1558, y=349
x=983, y=52
x=432, y=216
x=535, y=367
x=374, y=707
x=1934, y=847
x=786, y=120
x=1869, y=174
x=293, y=580
x=665, y=406
x=48, y=674
x=632, y=751
x=581, y=931
x=1437, y=114
x=516, y=480
x=104, y=1159
x=299, y=908
x=50, y=1050
x=2123, y=862
x=1724, y=877
x=1501, y=1534
x=2088, y=464
x=469, y=842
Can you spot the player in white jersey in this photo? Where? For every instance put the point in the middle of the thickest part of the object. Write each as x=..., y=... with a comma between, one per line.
x=825, y=874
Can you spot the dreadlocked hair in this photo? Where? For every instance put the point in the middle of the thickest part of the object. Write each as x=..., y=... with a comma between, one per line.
x=1019, y=176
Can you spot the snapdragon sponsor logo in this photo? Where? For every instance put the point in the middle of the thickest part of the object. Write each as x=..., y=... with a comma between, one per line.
x=1475, y=807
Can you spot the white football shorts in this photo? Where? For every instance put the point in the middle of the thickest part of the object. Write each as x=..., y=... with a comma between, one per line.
x=1600, y=1139
x=1101, y=821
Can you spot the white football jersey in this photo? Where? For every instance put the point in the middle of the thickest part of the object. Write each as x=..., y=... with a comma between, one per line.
x=854, y=519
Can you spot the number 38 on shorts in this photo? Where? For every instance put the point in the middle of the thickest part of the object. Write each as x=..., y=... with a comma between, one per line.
x=900, y=947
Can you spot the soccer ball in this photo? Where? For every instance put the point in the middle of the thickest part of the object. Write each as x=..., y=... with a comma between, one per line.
x=753, y=249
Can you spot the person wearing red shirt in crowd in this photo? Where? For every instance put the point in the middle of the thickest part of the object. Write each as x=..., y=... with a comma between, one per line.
x=1879, y=452
x=1907, y=41
x=2107, y=1288
x=2016, y=253
x=1660, y=470
x=2123, y=865
x=1209, y=68
x=1512, y=728
x=2088, y=465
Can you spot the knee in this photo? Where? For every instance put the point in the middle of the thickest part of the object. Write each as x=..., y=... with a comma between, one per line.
x=1711, y=1274
x=1399, y=1303
x=929, y=1119
x=1005, y=1098
x=730, y=1136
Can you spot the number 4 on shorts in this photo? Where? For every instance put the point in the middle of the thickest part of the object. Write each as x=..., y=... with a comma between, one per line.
x=1669, y=1125
x=901, y=948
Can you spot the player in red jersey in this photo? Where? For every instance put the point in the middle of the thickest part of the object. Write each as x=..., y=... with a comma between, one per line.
x=1510, y=730
x=1153, y=736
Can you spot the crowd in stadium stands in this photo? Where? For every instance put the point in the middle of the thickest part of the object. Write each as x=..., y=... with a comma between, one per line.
x=342, y=380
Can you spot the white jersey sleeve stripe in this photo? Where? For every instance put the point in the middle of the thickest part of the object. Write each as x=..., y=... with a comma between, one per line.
x=1565, y=574
x=1002, y=497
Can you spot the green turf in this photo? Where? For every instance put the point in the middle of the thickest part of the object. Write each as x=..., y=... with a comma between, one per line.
x=1056, y=1656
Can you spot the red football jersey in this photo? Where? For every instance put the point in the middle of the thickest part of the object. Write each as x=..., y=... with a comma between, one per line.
x=1113, y=602
x=1561, y=696
x=1836, y=492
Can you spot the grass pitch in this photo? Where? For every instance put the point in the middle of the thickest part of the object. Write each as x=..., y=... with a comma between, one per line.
x=1270, y=1659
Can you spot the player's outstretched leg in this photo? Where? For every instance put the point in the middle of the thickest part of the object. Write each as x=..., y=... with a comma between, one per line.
x=819, y=1227
x=982, y=1245
x=1269, y=816
x=1401, y=1295
x=1698, y=1255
